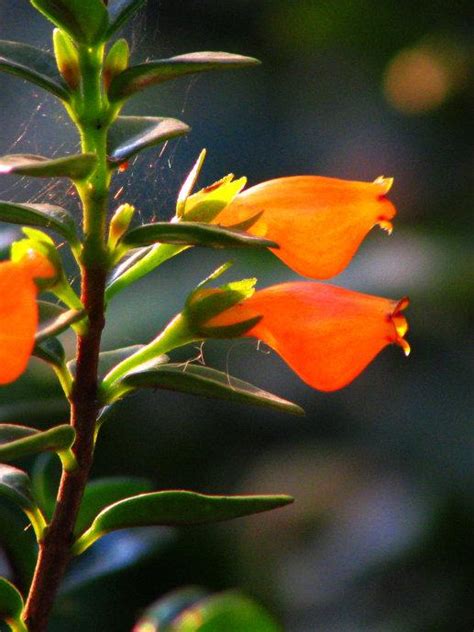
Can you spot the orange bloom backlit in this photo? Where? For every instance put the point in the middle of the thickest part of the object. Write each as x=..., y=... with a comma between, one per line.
x=319, y=223
x=19, y=312
x=326, y=334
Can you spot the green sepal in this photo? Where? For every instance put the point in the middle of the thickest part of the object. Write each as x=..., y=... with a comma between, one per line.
x=40, y=215
x=164, y=612
x=205, y=303
x=116, y=61
x=15, y=485
x=85, y=21
x=139, y=77
x=132, y=134
x=207, y=203
x=53, y=320
x=119, y=12
x=192, y=234
x=34, y=65
x=75, y=167
x=11, y=606
x=105, y=491
x=206, y=382
x=229, y=610
x=67, y=58
x=189, y=184
x=174, y=508
x=19, y=441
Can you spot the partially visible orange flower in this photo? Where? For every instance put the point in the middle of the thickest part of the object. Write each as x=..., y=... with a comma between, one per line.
x=326, y=334
x=318, y=222
x=19, y=312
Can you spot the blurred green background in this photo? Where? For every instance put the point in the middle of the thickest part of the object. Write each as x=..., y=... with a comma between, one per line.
x=380, y=536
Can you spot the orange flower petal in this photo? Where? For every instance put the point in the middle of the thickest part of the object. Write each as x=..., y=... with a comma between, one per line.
x=37, y=265
x=326, y=334
x=18, y=319
x=318, y=222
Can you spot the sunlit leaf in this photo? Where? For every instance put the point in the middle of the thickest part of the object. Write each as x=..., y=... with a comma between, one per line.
x=119, y=12
x=131, y=134
x=207, y=382
x=105, y=491
x=86, y=21
x=11, y=605
x=19, y=441
x=139, y=77
x=173, y=508
x=32, y=64
x=74, y=167
x=54, y=320
x=40, y=215
x=192, y=234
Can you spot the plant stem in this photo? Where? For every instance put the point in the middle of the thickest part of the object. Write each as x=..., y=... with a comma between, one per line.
x=91, y=113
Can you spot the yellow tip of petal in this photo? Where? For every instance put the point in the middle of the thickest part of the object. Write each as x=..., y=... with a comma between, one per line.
x=385, y=225
x=385, y=184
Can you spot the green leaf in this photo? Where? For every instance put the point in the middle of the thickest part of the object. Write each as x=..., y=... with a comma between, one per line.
x=105, y=491
x=32, y=64
x=45, y=477
x=86, y=21
x=19, y=545
x=43, y=215
x=131, y=134
x=225, y=611
x=15, y=485
x=51, y=351
x=168, y=608
x=109, y=359
x=206, y=382
x=139, y=77
x=11, y=606
x=192, y=234
x=174, y=508
x=54, y=320
x=119, y=12
x=19, y=441
x=74, y=167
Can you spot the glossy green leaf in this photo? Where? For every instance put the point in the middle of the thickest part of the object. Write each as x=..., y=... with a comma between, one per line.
x=18, y=544
x=11, y=606
x=51, y=351
x=86, y=21
x=19, y=441
x=131, y=134
x=41, y=215
x=74, y=167
x=139, y=77
x=105, y=491
x=120, y=11
x=32, y=64
x=206, y=382
x=54, y=320
x=192, y=234
x=174, y=508
x=225, y=611
x=161, y=614
x=15, y=485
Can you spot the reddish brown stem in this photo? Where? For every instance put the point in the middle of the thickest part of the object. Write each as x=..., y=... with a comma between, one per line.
x=55, y=550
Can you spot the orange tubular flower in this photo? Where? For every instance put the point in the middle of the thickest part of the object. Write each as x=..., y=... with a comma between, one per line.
x=19, y=312
x=318, y=222
x=326, y=334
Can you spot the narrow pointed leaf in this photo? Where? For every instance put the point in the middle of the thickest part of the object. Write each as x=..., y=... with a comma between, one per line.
x=108, y=359
x=192, y=234
x=207, y=382
x=105, y=491
x=11, y=605
x=225, y=611
x=40, y=215
x=119, y=12
x=74, y=167
x=131, y=134
x=139, y=77
x=19, y=441
x=54, y=320
x=174, y=508
x=51, y=351
x=86, y=21
x=32, y=64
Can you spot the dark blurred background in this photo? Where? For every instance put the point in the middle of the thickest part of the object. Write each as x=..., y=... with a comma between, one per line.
x=380, y=536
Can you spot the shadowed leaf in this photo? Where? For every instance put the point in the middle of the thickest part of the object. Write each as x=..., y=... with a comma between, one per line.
x=74, y=167
x=167, y=609
x=19, y=441
x=84, y=20
x=139, y=77
x=54, y=320
x=51, y=351
x=174, y=508
x=207, y=382
x=108, y=359
x=32, y=64
x=11, y=605
x=131, y=134
x=119, y=12
x=42, y=215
